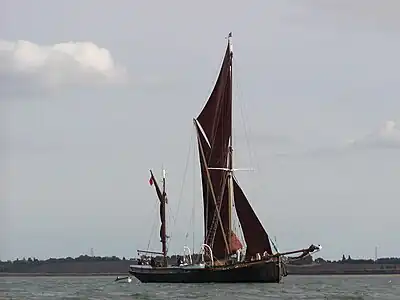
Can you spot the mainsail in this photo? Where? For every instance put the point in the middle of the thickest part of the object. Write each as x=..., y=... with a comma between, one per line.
x=214, y=132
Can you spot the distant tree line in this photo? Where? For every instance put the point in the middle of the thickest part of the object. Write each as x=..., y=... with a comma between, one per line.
x=85, y=258
x=349, y=260
x=24, y=263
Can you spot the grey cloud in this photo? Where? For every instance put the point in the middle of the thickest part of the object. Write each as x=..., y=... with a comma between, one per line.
x=388, y=136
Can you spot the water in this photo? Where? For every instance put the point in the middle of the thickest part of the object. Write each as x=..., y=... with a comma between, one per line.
x=294, y=287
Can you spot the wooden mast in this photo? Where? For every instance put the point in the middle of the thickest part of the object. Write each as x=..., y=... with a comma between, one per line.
x=230, y=167
x=163, y=220
x=162, y=197
x=230, y=197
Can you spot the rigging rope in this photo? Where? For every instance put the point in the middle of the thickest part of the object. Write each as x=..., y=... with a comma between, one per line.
x=194, y=198
x=239, y=95
x=243, y=118
x=153, y=226
x=252, y=155
x=174, y=217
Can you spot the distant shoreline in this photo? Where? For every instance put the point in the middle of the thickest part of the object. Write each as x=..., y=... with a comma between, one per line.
x=61, y=274
x=114, y=266
x=294, y=273
x=351, y=273
x=4, y=275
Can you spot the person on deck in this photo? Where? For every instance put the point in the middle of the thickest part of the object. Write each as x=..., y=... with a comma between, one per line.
x=179, y=260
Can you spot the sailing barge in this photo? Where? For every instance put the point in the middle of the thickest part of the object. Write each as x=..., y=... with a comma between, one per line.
x=223, y=259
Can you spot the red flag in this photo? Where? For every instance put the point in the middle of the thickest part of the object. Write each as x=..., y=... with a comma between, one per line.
x=151, y=180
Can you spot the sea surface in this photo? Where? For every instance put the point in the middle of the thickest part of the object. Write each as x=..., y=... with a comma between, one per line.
x=294, y=287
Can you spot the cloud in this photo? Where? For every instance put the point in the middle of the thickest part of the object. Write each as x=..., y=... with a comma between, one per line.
x=388, y=136
x=26, y=65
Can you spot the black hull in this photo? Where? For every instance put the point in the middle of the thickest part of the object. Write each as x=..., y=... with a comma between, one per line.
x=259, y=271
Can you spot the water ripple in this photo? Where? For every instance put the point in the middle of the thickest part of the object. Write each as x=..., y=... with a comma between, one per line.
x=294, y=287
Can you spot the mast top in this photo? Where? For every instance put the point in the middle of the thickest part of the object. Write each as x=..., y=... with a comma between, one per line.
x=229, y=37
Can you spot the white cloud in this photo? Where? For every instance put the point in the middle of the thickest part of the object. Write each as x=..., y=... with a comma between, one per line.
x=72, y=63
x=388, y=136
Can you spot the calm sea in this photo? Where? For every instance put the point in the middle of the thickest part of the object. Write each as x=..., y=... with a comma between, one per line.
x=293, y=287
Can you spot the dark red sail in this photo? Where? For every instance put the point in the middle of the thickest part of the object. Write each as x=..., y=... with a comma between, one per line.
x=215, y=122
x=256, y=237
x=214, y=128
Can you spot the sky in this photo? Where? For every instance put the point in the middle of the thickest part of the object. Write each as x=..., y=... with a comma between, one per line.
x=93, y=94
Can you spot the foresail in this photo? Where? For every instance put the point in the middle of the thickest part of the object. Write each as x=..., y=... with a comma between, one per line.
x=214, y=128
x=256, y=237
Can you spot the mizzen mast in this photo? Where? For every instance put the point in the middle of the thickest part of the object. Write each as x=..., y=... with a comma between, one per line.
x=162, y=197
x=163, y=233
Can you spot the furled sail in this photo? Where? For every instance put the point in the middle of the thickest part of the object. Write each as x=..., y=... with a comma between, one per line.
x=162, y=197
